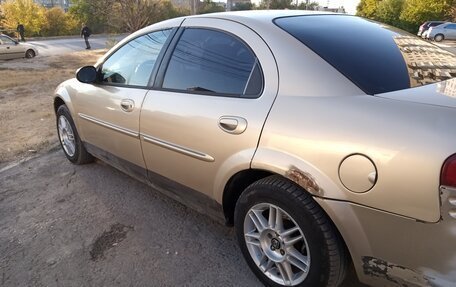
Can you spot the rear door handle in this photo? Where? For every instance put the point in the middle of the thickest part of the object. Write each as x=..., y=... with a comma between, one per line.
x=232, y=124
x=127, y=105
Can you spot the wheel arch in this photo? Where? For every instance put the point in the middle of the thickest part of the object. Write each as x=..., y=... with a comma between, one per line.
x=235, y=186
x=33, y=51
x=62, y=97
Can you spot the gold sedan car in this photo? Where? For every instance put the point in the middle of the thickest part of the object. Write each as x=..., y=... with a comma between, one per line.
x=12, y=49
x=323, y=149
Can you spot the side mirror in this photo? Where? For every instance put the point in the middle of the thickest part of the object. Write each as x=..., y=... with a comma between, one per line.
x=87, y=74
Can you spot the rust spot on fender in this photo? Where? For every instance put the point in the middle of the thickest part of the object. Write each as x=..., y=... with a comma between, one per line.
x=305, y=180
x=395, y=274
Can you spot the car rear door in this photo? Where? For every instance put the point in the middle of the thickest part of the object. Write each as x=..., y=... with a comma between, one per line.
x=9, y=49
x=210, y=100
x=108, y=111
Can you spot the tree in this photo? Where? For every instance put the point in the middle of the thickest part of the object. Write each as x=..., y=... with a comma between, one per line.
x=416, y=12
x=307, y=5
x=389, y=11
x=367, y=8
x=210, y=7
x=26, y=12
x=276, y=4
x=123, y=15
x=99, y=15
x=242, y=6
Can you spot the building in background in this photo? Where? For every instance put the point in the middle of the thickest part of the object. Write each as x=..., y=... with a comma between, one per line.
x=335, y=10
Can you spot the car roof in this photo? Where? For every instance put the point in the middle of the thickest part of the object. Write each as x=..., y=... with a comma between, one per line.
x=250, y=16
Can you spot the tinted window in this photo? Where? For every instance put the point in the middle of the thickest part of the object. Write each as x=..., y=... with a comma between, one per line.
x=209, y=61
x=374, y=56
x=451, y=26
x=132, y=64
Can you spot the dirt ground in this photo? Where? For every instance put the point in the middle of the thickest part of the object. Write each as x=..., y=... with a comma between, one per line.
x=91, y=225
x=27, y=122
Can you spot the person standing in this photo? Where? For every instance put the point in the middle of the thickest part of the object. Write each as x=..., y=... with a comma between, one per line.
x=21, y=30
x=86, y=32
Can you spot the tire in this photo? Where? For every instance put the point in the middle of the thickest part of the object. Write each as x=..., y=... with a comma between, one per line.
x=439, y=38
x=30, y=54
x=69, y=139
x=306, y=239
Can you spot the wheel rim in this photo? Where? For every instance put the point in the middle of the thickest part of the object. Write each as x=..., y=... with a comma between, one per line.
x=438, y=38
x=276, y=244
x=30, y=54
x=66, y=136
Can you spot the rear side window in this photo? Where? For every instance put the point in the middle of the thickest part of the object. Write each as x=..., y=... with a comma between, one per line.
x=214, y=63
x=451, y=26
x=375, y=57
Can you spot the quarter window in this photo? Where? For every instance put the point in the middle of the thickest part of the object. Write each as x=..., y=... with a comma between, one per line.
x=133, y=63
x=212, y=62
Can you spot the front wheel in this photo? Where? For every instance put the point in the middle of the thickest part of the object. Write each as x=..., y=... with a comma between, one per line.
x=286, y=238
x=70, y=142
x=30, y=54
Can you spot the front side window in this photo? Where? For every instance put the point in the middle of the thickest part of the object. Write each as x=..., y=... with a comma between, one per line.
x=133, y=63
x=213, y=62
x=6, y=40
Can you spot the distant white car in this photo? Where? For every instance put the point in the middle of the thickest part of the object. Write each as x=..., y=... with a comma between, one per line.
x=12, y=49
x=446, y=31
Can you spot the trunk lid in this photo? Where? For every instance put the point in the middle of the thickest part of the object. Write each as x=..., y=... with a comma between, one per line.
x=437, y=94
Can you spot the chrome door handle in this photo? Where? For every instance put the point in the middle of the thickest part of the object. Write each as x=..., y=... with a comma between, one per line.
x=127, y=105
x=232, y=124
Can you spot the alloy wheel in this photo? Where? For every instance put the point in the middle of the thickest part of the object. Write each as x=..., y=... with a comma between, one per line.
x=276, y=244
x=66, y=136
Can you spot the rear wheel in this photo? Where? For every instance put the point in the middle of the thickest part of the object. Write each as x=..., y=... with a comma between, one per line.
x=70, y=142
x=439, y=38
x=286, y=238
x=30, y=54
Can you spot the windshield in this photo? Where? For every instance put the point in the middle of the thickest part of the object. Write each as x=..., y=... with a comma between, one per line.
x=377, y=58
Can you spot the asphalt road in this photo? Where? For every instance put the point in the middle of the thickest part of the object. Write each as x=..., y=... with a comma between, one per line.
x=447, y=45
x=67, y=45
x=91, y=225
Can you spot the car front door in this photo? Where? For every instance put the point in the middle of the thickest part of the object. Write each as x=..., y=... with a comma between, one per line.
x=211, y=98
x=108, y=111
x=10, y=49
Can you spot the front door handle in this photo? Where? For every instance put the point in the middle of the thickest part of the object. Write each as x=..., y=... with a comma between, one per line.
x=232, y=125
x=127, y=105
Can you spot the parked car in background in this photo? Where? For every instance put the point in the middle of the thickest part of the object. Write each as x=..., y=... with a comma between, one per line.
x=12, y=49
x=426, y=25
x=322, y=150
x=445, y=31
